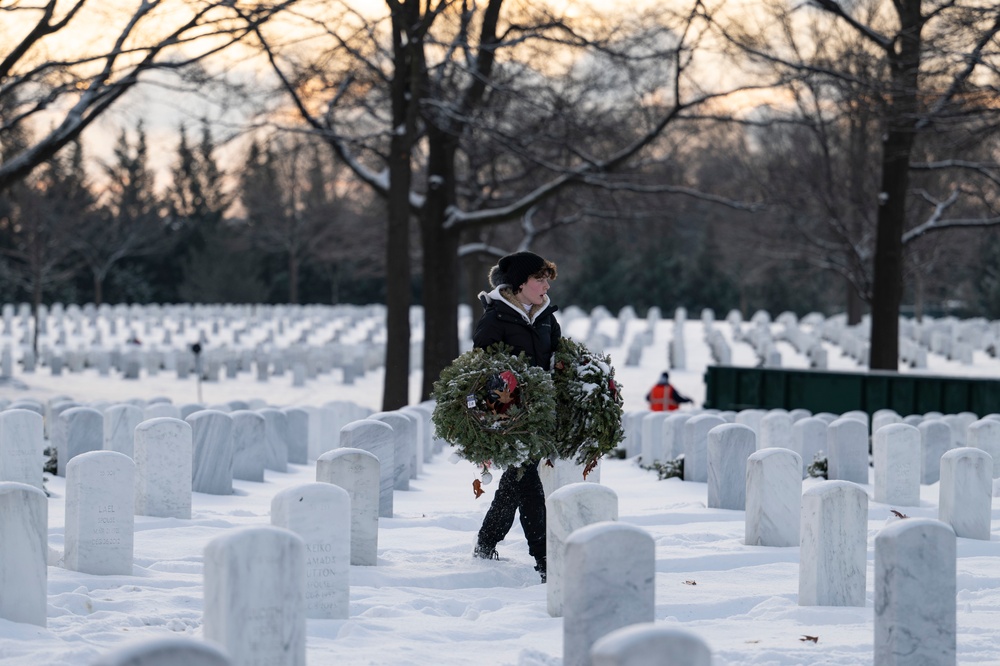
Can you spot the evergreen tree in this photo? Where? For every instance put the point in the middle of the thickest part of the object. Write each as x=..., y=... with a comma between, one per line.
x=42, y=213
x=291, y=210
x=705, y=285
x=130, y=219
x=201, y=239
x=986, y=285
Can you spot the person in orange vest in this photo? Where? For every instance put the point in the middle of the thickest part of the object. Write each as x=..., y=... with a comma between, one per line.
x=663, y=397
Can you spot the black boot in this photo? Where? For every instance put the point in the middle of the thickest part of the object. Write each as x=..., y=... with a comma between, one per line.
x=540, y=567
x=486, y=552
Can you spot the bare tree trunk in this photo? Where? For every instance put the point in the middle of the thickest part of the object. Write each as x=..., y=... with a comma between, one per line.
x=476, y=269
x=918, y=296
x=98, y=289
x=888, y=288
x=855, y=304
x=404, y=93
x=36, y=304
x=440, y=263
x=887, y=293
x=395, y=393
x=293, y=278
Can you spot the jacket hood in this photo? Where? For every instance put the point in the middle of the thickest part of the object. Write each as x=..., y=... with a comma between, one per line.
x=497, y=296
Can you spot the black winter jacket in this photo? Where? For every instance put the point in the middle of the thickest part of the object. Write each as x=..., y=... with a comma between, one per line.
x=501, y=322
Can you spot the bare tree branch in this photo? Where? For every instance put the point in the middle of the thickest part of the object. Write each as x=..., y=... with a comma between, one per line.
x=217, y=24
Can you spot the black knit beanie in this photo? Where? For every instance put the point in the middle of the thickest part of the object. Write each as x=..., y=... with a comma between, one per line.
x=515, y=269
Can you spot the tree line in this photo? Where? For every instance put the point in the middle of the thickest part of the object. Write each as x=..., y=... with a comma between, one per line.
x=279, y=227
x=821, y=156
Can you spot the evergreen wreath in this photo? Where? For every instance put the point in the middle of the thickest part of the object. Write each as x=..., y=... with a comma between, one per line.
x=588, y=404
x=496, y=408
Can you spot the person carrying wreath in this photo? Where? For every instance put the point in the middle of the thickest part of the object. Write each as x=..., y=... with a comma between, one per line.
x=518, y=313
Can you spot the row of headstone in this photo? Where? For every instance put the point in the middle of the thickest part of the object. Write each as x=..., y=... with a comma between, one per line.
x=954, y=339
x=677, y=350
x=758, y=335
x=337, y=517
x=276, y=338
x=586, y=545
x=303, y=560
x=319, y=339
x=773, y=473
x=608, y=566
x=842, y=441
x=620, y=557
x=722, y=353
x=307, y=430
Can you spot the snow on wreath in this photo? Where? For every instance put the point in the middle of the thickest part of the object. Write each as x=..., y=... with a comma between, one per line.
x=495, y=408
x=588, y=404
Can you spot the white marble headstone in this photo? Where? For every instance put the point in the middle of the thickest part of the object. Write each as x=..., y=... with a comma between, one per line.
x=21, y=444
x=559, y=472
x=190, y=408
x=297, y=420
x=673, y=435
x=729, y=447
x=915, y=587
x=568, y=509
x=320, y=513
x=652, y=437
x=896, y=453
x=336, y=414
x=163, y=468
x=436, y=443
x=100, y=513
x=847, y=451
x=402, y=434
x=798, y=414
x=985, y=434
x=774, y=491
x=159, y=410
x=425, y=431
x=376, y=438
x=402, y=437
x=55, y=406
x=173, y=651
x=809, y=440
x=650, y=644
x=76, y=430
x=696, y=446
x=212, y=461
x=249, y=445
x=254, y=605
x=750, y=418
x=963, y=420
x=775, y=430
x=958, y=427
x=420, y=423
x=936, y=439
x=632, y=423
x=883, y=417
x=276, y=438
x=357, y=472
x=24, y=528
x=965, y=494
x=834, y=551
x=119, y=427
x=858, y=415
x=610, y=573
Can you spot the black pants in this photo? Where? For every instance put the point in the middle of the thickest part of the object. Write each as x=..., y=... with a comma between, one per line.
x=524, y=495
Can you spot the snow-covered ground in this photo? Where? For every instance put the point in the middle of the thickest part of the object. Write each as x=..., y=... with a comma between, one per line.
x=429, y=602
